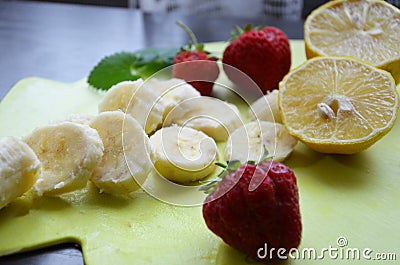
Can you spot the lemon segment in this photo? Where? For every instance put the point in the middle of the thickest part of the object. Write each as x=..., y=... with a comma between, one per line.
x=368, y=30
x=338, y=104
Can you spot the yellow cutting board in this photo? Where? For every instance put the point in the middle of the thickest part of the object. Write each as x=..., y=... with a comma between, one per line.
x=347, y=202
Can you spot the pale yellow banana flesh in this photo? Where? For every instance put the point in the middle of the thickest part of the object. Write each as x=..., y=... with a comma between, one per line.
x=171, y=92
x=84, y=119
x=19, y=168
x=128, y=154
x=266, y=108
x=252, y=141
x=69, y=152
x=136, y=99
x=183, y=154
x=212, y=116
x=134, y=108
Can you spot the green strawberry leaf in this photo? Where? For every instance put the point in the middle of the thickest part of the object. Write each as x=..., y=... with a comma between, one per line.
x=237, y=31
x=229, y=167
x=125, y=66
x=209, y=187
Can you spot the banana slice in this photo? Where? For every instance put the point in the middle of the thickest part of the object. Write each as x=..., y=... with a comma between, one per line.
x=172, y=92
x=128, y=154
x=84, y=119
x=216, y=118
x=248, y=143
x=19, y=168
x=266, y=108
x=133, y=98
x=69, y=152
x=183, y=154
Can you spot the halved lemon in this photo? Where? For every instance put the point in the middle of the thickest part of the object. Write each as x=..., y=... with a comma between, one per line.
x=368, y=30
x=338, y=104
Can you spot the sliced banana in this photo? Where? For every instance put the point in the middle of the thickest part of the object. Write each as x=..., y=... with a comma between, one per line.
x=69, y=152
x=216, y=118
x=84, y=119
x=19, y=168
x=128, y=154
x=249, y=142
x=172, y=91
x=183, y=154
x=266, y=108
x=133, y=98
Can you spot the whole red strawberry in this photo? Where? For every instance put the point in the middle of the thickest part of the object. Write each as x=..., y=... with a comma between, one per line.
x=195, y=66
x=262, y=54
x=256, y=207
x=197, y=69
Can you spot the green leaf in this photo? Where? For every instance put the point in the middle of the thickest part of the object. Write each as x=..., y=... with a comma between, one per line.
x=164, y=55
x=247, y=27
x=237, y=31
x=266, y=156
x=112, y=70
x=124, y=66
x=220, y=164
x=229, y=167
x=199, y=47
x=233, y=165
x=209, y=187
x=150, y=61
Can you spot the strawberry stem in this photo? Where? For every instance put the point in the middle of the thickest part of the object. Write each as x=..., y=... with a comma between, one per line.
x=192, y=37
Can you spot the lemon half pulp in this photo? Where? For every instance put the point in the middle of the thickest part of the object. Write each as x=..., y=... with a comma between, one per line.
x=368, y=30
x=337, y=104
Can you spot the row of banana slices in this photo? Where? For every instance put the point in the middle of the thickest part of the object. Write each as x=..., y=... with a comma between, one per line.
x=161, y=125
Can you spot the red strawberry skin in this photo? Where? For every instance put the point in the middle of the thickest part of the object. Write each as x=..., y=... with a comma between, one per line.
x=264, y=55
x=247, y=220
x=197, y=69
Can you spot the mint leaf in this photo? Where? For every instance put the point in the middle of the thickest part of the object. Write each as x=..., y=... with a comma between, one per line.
x=112, y=70
x=164, y=55
x=124, y=66
x=151, y=60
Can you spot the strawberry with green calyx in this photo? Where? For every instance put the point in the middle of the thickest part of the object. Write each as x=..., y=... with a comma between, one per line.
x=261, y=53
x=254, y=206
x=195, y=66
